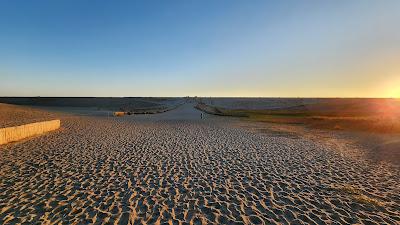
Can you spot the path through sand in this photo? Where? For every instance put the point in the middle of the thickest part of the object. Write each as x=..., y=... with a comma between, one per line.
x=177, y=168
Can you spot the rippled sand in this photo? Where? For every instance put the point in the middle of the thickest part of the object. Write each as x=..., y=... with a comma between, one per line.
x=175, y=168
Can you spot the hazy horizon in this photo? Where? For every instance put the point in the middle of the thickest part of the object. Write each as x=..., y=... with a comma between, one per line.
x=183, y=48
x=238, y=97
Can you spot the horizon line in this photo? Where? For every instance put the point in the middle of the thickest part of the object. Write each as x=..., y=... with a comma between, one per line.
x=291, y=97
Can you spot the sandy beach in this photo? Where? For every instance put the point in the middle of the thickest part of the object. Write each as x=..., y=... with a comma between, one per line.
x=176, y=168
x=13, y=115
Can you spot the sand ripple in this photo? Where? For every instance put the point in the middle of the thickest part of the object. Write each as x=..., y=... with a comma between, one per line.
x=119, y=171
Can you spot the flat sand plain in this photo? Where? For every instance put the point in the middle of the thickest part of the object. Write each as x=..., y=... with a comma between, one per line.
x=175, y=168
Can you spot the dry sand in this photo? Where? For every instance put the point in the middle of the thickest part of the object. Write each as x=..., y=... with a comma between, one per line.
x=12, y=115
x=176, y=168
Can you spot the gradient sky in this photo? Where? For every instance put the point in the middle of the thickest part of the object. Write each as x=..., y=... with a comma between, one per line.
x=205, y=48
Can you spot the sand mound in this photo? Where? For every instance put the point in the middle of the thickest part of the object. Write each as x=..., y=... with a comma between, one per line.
x=12, y=115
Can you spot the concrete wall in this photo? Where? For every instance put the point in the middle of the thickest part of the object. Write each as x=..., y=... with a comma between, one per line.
x=10, y=134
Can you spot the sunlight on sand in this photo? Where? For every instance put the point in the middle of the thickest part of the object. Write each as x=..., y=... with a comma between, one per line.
x=180, y=168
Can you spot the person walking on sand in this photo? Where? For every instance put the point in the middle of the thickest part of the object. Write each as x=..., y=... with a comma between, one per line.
x=201, y=115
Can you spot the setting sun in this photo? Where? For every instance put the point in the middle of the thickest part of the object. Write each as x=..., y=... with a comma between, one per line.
x=393, y=89
x=396, y=92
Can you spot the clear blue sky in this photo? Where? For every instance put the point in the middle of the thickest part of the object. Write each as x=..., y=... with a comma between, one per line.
x=206, y=48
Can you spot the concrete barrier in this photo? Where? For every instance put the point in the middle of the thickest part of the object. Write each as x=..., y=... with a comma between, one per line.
x=10, y=134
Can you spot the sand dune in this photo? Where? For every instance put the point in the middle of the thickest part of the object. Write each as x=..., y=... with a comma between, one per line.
x=12, y=115
x=176, y=168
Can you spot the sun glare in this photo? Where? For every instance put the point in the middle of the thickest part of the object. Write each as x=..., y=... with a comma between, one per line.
x=395, y=93
x=392, y=88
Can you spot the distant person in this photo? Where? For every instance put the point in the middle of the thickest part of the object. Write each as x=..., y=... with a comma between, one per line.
x=201, y=115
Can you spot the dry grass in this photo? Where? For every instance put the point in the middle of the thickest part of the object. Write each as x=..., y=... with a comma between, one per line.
x=324, y=116
x=367, y=124
x=367, y=200
x=358, y=196
x=119, y=113
x=350, y=190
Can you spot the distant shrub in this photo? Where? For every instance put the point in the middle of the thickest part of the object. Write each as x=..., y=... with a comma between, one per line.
x=119, y=113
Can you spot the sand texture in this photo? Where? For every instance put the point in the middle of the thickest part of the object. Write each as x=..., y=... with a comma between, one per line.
x=12, y=115
x=174, y=168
